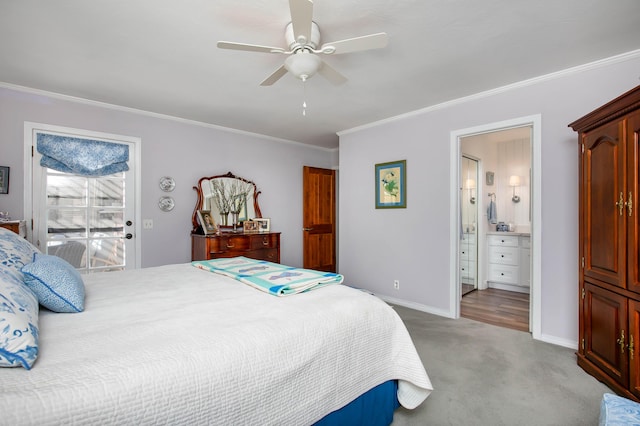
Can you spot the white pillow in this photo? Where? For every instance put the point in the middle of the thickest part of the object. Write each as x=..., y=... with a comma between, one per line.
x=56, y=283
x=15, y=252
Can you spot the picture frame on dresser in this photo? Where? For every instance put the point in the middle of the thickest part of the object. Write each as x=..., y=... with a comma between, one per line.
x=4, y=179
x=207, y=222
x=250, y=226
x=264, y=224
x=391, y=185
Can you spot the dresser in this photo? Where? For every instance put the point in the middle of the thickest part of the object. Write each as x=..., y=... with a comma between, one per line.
x=17, y=226
x=508, y=257
x=609, y=253
x=261, y=246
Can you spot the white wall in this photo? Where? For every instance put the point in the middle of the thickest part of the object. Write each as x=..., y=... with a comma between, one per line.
x=186, y=151
x=413, y=244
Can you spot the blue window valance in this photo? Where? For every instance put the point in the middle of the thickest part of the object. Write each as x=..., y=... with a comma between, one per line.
x=80, y=156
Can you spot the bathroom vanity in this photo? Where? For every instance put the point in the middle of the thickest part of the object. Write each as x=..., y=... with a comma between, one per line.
x=509, y=265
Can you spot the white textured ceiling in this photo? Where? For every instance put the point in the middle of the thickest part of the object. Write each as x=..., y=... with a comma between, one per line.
x=161, y=55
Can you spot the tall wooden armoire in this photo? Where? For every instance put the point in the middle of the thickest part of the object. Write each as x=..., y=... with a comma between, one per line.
x=609, y=286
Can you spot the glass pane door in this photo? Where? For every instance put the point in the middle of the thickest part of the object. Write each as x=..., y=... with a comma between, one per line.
x=85, y=222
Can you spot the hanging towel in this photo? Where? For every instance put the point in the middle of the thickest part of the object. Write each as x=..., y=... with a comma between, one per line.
x=492, y=213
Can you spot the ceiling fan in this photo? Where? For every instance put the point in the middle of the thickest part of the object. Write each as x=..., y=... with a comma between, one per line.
x=303, y=38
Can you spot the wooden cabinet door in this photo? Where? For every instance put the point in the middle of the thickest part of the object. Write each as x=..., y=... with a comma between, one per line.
x=606, y=332
x=632, y=192
x=633, y=347
x=604, y=230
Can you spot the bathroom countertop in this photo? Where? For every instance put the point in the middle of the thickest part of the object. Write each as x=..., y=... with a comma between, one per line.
x=521, y=234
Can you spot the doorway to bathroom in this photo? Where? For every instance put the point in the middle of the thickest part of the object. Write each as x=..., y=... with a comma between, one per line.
x=506, y=232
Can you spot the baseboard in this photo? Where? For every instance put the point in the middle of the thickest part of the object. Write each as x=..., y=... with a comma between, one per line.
x=508, y=287
x=416, y=306
x=558, y=341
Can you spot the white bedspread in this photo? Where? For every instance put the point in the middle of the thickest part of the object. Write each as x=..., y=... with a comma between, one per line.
x=179, y=345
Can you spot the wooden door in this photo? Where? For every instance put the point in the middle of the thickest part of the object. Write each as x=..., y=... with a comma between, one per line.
x=604, y=232
x=632, y=193
x=606, y=332
x=319, y=216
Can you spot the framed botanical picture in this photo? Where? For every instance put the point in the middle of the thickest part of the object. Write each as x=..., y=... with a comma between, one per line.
x=207, y=222
x=264, y=224
x=391, y=185
x=4, y=180
x=250, y=226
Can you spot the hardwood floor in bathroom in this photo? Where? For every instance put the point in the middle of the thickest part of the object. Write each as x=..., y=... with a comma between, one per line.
x=498, y=307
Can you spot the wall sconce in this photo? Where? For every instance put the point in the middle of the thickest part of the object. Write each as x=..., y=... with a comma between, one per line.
x=470, y=184
x=514, y=181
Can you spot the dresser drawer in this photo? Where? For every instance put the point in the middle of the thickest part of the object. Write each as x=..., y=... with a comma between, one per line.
x=270, y=255
x=468, y=238
x=467, y=253
x=504, y=255
x=467, y=269
x=259, y=241
x=228, y=243
x=504, y=241
x=504, y=274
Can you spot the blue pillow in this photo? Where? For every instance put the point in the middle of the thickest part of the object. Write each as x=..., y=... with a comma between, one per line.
x=18, y=323
x=56, y=283
x=616, y=410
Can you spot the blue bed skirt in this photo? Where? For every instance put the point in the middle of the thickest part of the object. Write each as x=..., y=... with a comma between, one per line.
x=373, y=408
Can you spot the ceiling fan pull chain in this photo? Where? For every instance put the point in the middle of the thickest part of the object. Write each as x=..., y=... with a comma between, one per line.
x=304, y=97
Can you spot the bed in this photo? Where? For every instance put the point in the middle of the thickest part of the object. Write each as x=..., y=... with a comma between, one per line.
x=176, y=344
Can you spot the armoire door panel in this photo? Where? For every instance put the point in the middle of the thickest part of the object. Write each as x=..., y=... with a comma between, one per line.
x=633, y=191
x=633, y=347
x=604, y=182
x=606, y=332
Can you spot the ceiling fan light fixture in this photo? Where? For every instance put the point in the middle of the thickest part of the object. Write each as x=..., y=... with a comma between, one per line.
x=297, y=42
x=303, y=64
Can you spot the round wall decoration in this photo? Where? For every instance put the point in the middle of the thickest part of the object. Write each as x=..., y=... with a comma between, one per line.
x=167, y=184
x=166, y=204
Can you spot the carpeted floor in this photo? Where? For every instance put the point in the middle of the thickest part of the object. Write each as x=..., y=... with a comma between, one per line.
x=488, y=375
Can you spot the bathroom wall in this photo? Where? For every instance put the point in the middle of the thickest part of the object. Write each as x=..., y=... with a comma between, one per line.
x=504, y=158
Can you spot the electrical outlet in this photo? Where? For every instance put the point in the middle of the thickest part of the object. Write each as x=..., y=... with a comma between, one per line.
x=147, y=223
x=396, y=284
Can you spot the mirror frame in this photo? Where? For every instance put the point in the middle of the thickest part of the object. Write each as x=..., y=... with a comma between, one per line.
x=196, y=228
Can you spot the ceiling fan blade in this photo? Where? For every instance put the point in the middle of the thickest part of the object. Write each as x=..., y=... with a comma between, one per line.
x=371, y=41
x=301, y=17
x=277, y=75
x=331, y=74
x=249, y=47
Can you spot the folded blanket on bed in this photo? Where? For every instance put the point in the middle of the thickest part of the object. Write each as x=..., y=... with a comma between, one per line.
x=273, y=278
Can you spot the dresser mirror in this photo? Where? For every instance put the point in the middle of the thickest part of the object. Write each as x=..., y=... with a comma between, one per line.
x=230, y=198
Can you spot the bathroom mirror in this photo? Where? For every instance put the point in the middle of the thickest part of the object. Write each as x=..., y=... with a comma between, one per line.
x=226, y=196
x=469, y=224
